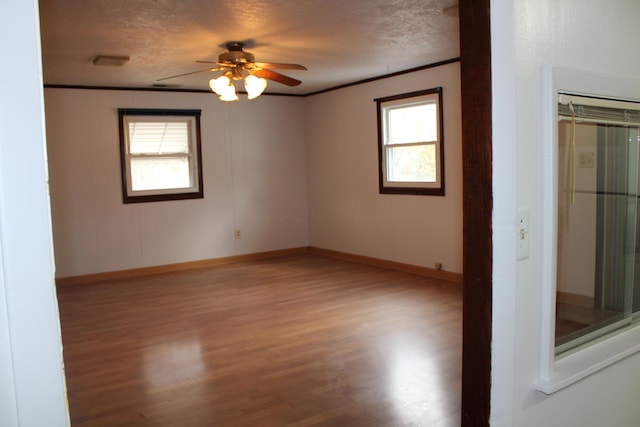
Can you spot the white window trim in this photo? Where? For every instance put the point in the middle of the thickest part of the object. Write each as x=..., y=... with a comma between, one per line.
x=191, y=117
x=191, y=155
x=558, y=372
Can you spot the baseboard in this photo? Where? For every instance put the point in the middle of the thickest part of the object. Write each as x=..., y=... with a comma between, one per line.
x=408, y=268
x=575, y=299
x=159, y=269
x=212, y=262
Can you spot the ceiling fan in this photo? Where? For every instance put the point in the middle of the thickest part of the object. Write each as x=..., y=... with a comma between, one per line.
x=238, y=64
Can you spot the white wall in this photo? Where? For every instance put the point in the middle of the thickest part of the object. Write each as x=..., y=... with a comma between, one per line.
x=346, y=211
x=254, y=170
x=587, y=34
x=32, y=389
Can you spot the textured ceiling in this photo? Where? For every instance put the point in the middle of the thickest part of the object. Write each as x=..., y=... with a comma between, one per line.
x=339, y=41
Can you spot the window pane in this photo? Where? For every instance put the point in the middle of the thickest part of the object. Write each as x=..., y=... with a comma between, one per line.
x=598, y=249
x=413, y=123
x=159, y=173
x=158, y=138
x=412, y=164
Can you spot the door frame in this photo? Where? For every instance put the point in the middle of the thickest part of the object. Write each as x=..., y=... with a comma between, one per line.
x=475, y=81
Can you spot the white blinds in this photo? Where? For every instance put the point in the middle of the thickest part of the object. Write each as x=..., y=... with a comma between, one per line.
x=598, y=110
x=158, y=137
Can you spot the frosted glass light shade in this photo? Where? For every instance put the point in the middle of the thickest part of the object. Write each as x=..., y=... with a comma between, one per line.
x=254, y=86
x=230, y=94
x=223, y=87
x=218, y=85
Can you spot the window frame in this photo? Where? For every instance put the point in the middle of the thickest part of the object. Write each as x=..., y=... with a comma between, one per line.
x=558, y=371
x=411, y=187
x=195, y=191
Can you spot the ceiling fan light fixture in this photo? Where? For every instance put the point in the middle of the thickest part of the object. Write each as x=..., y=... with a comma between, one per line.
x=224, y=87
x=219, y=85
x=254, y=86
x=237, y=64
x=229, y=94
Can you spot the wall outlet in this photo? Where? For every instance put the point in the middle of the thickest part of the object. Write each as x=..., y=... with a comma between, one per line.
x=587, y=160
x=237, y=234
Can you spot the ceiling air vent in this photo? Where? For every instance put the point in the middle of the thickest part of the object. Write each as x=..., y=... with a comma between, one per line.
x=110, y=60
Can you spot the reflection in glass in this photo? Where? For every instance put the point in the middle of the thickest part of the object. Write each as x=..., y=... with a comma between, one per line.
x=598, y=244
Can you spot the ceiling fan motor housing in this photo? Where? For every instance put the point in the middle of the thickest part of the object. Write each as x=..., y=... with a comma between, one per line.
x=236, y=54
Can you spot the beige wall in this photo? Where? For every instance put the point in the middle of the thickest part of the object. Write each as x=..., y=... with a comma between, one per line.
x=577, y=222
x=347, y=213
x=287, y=172
x=254, y=162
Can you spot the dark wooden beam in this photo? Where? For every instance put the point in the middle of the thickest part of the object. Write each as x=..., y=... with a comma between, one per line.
x=475, y=66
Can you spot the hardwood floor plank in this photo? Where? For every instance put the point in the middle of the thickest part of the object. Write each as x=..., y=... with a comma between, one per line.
x=301, y=340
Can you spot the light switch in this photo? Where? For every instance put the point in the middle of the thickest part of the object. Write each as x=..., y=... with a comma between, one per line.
x=522, y=250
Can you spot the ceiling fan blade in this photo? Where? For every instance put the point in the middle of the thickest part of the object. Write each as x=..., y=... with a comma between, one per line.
x=280, y=66
x=276, y=77
x=187, y=74
x=207, y=62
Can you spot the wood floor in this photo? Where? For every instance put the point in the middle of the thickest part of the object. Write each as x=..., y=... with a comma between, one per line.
x=302, y=341
x=573, y=321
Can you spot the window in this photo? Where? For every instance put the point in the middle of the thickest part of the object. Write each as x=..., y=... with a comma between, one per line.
x=598, y=272
x=160, y=155
x=590, y=306
x=410, y=143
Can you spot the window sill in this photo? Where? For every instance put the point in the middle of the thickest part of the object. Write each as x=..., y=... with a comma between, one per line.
x=595, y=356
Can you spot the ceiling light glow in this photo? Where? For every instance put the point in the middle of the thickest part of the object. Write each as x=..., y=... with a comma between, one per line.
x=254, y=86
